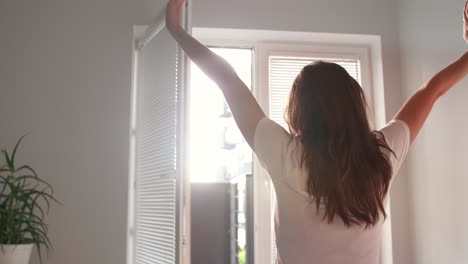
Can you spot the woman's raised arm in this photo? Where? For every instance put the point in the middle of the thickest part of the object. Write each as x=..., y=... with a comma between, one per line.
x=244, y=107
x=416, y=110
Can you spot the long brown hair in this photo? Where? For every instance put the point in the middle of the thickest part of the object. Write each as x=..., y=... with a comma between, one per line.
x=347, y=170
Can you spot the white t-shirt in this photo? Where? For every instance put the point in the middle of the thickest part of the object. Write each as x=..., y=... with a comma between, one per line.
x=302, y=237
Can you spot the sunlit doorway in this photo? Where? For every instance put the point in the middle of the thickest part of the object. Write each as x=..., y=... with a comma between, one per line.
x=220, y=170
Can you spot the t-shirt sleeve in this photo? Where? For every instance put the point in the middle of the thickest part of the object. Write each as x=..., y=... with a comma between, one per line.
x=270, y=145
x=397, y=136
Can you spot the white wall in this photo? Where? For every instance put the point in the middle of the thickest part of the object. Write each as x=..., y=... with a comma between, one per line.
x=65, y=75
x=378, y=17
x=430, y=32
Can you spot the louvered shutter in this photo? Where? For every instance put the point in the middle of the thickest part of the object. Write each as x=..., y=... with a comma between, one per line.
x=158, y=135
x=282, y=72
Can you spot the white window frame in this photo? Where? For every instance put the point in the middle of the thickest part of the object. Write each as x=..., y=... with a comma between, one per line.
x=366, y=48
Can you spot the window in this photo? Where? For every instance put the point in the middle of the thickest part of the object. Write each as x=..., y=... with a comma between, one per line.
x=279, y=56
x=269, y=61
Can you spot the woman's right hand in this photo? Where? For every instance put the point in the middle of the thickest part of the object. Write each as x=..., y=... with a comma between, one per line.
x=173, y=10
x=465, y=22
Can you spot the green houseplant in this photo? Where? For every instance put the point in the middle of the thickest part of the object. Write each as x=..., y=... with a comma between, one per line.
x=24, y=202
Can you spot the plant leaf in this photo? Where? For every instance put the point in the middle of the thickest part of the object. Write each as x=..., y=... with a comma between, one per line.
x=33, y=178
x=26, y=167
x=15, y=149
x=8, y=161
x=25, y=200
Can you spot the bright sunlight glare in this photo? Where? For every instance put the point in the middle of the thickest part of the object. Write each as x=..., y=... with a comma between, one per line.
x=217, y=150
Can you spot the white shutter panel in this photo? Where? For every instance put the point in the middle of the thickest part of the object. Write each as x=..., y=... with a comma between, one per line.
x=156, y=191
x=282, y=72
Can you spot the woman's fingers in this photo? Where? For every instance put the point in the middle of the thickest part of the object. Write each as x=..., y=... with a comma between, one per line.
x=175, y=5
x=173, y=13
x=178, y=3
x=466, y=11
x=465, y=22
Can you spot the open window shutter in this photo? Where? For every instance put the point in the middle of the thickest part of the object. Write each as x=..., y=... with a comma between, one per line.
x=159, y=142
x=282, y=73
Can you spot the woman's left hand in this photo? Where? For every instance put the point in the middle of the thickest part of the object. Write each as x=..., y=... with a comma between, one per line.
x=173, y=13
x=465, y=22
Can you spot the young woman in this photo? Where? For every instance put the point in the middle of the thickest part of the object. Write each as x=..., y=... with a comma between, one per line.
x=331, y=172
